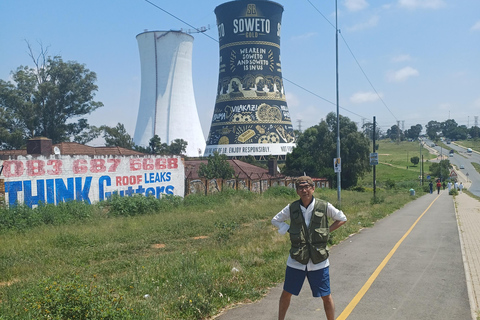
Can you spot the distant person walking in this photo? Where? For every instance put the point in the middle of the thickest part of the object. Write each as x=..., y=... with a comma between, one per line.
x=456, y=185
x=449, y=186
x=308, y=258
x=460, y=187
x=443, y=184
x=430, y=185
x=439, y=186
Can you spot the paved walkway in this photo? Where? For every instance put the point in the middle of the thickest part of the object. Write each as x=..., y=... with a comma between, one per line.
x=468, y=217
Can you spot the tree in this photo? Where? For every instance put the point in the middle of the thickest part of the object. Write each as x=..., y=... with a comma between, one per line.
x=368, y=131
x=45, y=100
x=216, y=167
x=117, y=137
x=316, y=149
x=432, y=129
x=87, y=135
x=449, y=127
x=440, y=169
x=414, y=132
x=11, y=133
x=415, y=160
x=394, y=133
x=178, y=147
x=474, y=132
x=155, y=146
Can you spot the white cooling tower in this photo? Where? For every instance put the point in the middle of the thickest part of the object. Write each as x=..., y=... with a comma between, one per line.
x=167, y=101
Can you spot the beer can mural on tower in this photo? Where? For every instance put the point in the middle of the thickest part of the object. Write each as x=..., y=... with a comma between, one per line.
x=251, y=116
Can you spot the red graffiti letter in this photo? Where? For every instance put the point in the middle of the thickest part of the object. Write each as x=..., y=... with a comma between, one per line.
x=35, y=167
x=79, y=166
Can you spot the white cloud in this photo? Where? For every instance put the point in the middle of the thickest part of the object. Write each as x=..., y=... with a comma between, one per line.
x=362, y=97
x=477, y=103
x=401, y=58
x=355, y=5
x=293, y=100
x=476, y=26
x=305, y=36
x=424, y=4
x=373, y=22
x=402, y=74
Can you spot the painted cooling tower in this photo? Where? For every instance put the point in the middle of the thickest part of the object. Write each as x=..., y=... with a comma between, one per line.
x=167, y=102
x=251, y=115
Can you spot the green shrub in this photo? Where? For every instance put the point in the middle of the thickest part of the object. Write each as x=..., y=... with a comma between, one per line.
x=390, y=184
x=280, y=191
x=406, y=185
x=377, y=200
x=358, y=188
x=140, y=205
x=453, y=192
x=22, y=217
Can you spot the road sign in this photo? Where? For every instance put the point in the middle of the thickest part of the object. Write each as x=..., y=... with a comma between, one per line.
x=453, y=174
x=373, y=158
x=337, y=164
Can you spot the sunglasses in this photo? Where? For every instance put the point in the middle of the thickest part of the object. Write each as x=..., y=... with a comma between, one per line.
x=302, y=188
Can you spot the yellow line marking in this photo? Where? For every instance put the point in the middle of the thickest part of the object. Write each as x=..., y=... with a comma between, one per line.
x=346, y=312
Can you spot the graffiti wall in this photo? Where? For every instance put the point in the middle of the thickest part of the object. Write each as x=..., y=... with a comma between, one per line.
x=55, y=179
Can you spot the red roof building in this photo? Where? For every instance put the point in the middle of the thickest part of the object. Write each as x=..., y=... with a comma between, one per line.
x=43, y=146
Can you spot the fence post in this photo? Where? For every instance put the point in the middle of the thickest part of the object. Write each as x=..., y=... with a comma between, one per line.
x=2, y=191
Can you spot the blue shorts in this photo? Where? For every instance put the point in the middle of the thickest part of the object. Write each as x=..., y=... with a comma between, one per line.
x=319, y=281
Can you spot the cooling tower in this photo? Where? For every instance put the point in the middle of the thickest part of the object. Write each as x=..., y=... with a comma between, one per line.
x=167, y=102
x=251, y=116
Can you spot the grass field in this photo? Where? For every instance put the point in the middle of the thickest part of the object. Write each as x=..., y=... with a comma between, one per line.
x=471, y=143
x=395, y=166
x=135, y=258
x=187, y=262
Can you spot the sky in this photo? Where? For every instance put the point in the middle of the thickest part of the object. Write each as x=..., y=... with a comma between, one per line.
x=402, y=61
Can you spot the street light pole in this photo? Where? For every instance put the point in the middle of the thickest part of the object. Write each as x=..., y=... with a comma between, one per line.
x=339, y=187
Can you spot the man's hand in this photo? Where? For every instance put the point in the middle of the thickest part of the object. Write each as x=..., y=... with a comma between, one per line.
x=337, y=224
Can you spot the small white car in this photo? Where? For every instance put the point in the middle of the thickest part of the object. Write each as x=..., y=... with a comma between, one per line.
x=462, y=167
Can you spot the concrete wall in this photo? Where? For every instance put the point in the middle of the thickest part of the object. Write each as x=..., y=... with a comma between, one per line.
x=167, y=102
x=54, y=179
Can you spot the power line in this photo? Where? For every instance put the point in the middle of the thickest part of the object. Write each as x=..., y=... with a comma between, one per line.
x=299, y=86
x=295, y=84
x=316, y=95
x=356, y=61
x=366, y=77
x=174, y=16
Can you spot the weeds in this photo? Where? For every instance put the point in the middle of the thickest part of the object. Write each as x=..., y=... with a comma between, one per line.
x=73, y=299
x=169, y=258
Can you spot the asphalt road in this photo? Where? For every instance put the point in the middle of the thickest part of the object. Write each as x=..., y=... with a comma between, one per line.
x=466, y=159
x=412, y=260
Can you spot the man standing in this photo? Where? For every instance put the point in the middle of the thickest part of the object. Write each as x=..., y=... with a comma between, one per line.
x=309, y=232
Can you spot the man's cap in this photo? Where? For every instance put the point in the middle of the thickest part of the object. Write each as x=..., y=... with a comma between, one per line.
x=303, y=180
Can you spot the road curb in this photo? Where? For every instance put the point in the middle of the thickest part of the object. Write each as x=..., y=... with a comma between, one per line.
x=468, y=278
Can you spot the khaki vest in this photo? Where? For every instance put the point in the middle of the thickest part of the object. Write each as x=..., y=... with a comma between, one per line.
x=309, y=243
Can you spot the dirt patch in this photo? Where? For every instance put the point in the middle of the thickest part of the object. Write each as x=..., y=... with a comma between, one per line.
x=8, y=283
x=158, y=246
x=200, y=237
